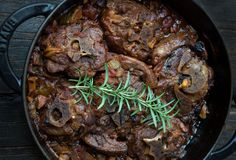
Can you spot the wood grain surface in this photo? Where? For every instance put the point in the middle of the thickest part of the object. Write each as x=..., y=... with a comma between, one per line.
x=15, y=139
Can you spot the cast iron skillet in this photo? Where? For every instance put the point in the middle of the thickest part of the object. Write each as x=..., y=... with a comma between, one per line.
x=219, y=101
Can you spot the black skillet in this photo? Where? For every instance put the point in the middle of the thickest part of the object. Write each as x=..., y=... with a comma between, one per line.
x=220, y=97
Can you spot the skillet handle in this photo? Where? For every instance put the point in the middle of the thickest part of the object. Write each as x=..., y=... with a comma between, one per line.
x=6, y=31
x=225, y=151
x=234, y=95
x=229, y=148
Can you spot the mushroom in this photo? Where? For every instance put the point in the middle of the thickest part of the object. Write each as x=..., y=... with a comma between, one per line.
x=128, y=63
x=184, y=59
x=170, y=66
x=199, y=76
x=167, y=45
x=104, y=120
x=137, y=146
x=120, y=118
x=59, y=148
x=155, y=146
x=195, y=84
x=105, y=144
x=58, y=113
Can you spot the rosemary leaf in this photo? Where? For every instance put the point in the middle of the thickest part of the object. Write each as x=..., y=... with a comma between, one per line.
x=121, y=101
x=172, y=108
x=104, y=98
x=84, y=96
x=167, y=104
x=153, y=117
x=135, y=112
x=127, y=103
x=106, y=76
x=148, y=118
x=163, y=124
x=127, y=80
x=140, y=107
x=125, y=95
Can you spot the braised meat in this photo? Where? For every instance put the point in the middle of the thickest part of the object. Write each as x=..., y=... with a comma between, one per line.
x=105, y=144
x=58, y=113
x=185, y=74
x=137, y=68
x=76, y=49
x=118, y=80
x=120, y=20
x=140, y=31
x=166, y=46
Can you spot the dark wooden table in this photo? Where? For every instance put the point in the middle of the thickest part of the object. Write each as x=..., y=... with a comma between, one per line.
x=15, y=139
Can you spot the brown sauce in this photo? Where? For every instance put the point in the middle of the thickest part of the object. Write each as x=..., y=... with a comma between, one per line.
x=148, y=41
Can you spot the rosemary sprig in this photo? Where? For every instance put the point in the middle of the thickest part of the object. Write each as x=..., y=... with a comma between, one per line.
x=124, y=94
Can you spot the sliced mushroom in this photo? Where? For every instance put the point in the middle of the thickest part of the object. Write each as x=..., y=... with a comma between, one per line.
x=167, y=45
x=66, y=130
x=170, y=66
x=167, y=72
x=120, y=118
x=184, y=59
x=155, y=146
x=58, y=113
x=199, y=76
x=105, y=144
x=116, y=119
x=104, y=120
x=196, y=84
x=129, y=63
x=59, y=148
x=80, y=153
x=136, y=144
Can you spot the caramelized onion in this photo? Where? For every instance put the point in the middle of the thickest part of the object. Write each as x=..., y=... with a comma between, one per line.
x=32, y=84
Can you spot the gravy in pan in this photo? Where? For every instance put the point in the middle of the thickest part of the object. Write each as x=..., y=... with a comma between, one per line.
x=118, y=41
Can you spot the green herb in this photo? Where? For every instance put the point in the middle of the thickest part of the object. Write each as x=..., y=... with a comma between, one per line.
x=125, y=95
